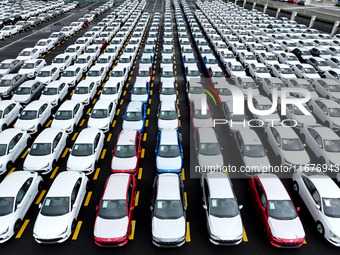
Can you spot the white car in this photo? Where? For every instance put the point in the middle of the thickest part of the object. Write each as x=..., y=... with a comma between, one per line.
x=84, y=61
x=62, y=61
x=167, y=91
x=9, y=30
x=323, y=142
x=287, y=146
x=282, y=71
x=134, y=116
x=327, y=111
x=71, y=75
x=45, y=151
x=321, y=196
x=169, y=152
x=13, y=142
x=84, y=42
x=68, y=116
x=221, y=210
x=48, y=74
x=55, y=92
x=96, y=74
x=84, y=92
x=267, y=85
x=235, y=69
x=106, y=61
x=67, y=31
x=300, y=119
x=86, y=151
x=264, y=103
x=305, y=71
x=288, y=59
x=168, y=222
x=258, y=71
x=168, y=116
x=9, y=111
x=125, y=61
x=74, y=51
x=267, y=59
x=32, y=67
x=18, y=191
x=119, y=74
x=111, y=91
x=102, y=115
x=140, y=91
x=327, y=88
x=93, y=50
x=57, y=218
x=44, y=45
x=29, y=53
x=34, y=116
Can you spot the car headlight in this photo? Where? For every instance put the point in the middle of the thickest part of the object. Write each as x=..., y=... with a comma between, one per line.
x=64, y=232
x=333, y=235
x=31, y=127
x=4, y=232
x=46, y=165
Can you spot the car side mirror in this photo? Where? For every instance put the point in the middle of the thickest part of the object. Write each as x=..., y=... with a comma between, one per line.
x=279, y=144
x=70, y=150
x=317, y=206
x=97, y=207
x=326, y=113
x=19, y=206
x=151, y=208
x=298, y=209
x=240, y=207
x=40, y=205
x=74, y=205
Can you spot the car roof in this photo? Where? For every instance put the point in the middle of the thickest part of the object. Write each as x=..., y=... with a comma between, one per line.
x=35, y=105
x=273, y=187
x=169, y=137
x=326, y=187
x=96, y=68
x=168, y=105
x=329, y=81
x=7, y=61
x=116, y=187
x=328, y=102
x=64, y=183
x=127, y=137
x=54, y=84
x=219, y=185
x=7, y=135
x=134, y=106
x=5, y=103
x=63, y=55
x=102, y=104
x=13, y=182
x=47, y=135
x=249, y=136
x=326, y=133
x=262, y=100
x=168, y=187
x=71, y=68
x=68, y=105
x=47, y=68
x=87, y=135
x=10, y=76
x=85, y=83
x=286, y=132
x=207, y=135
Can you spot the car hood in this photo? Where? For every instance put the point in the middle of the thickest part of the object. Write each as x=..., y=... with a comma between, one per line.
x=210, y=161
x=133, y=125
x=194, y=97
x=296, y=157
x=169, y=163
x=50, y=227
x=20, y=98
x=167, y=124
x=167, y=97
x=5, y=222
x=257, y=163
x=79, y=163
x=171, y=229
x=43, y=79
x=25, y=124
x=62, y=124
x=286, y=229
x=142, y=98
x=48, y=98
x=109, y=97
x=36, y=162
x=226, y=228
x=80, y=97
x=334, y=222
x=124, y=163
x=4, y=89
x=4, y=71
x=305, y=119
x=67, y=79
x=105, y=228
x=98, y=123
x=334, y=157
x=203, y=122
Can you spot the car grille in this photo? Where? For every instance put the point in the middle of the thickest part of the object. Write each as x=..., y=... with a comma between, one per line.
x=54, y=240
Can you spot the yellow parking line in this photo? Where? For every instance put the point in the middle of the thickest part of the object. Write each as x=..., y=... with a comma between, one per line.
x=129, y=78
x=153, y=77
x=82, y=122
x=187, y=236
x=179, y=123
x=127, y=85
x=25, y=154
x=98, y=93
x=137, y=198
x=148, y=111
x=124, y=93
x=40, y=197
x=74, y=136
x=118, y=111
x=76, y=232
x=121, y=101
x=114, y=123
x=22, y=229
x=140, y=173
x=109, y=137
x=131, y=72
x=87, y=200
x=48, y=123
x=94, y=101
x=133, y=226
x=65, y=152
x=88, y=111
x=151, y=92
x=71, y=93
x=142, y=154
x=103, y=154
x=179, y=112
x=146, y=123
x=304, y=241
x=95, y=177
x=186, y=199
x=144, y=137
x=11, y=171
x=245, y=238
x=183, y=174
x=54, y=172
x=177, y=101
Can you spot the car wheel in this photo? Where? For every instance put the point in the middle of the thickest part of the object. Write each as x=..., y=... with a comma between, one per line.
x=320, y=228
x=74, y=224
x=74, y=127
x=322, y=161
x=29, y=142
x=295, y=186
x=39, y=128
x=54, y=164
x=17, y=226
x=4, y=126
x=9, y=165
x=327, y=124
x=40, y=186
x=303, y=138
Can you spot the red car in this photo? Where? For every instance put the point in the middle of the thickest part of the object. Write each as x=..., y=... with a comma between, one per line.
x=85, y=22
x=126, y=153
x=114, y=213
x=277, y=212
x=101, y=41
x=292, y=1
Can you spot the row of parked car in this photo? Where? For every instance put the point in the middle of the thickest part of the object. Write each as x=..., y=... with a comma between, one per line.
x=241, y=42
x=17, y=17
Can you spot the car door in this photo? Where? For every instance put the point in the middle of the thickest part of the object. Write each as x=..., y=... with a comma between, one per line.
x=314, y=142
x=261, y=202
x=130, y=197
x=206, y=199
x=92, y=90
x=78, y=74
x=57, y=146
x=9, y=114
x=24, y=198
x=42, y=114
x=76, y=113
x=62, y=91
x=76, y=198
x=318, y=110
x=275, y=140
x=311, y=197
x=97, y=146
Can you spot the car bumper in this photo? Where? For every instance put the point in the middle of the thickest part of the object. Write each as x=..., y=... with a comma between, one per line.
x=225, y=242
x=287, y=244
x=165, y=244
x=51, y=240
x=107, y=242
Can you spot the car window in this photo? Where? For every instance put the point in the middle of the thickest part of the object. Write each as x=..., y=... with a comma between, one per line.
x=316, y=197
x=110, y=107
x=261, y=194
x=75, y=110
x=61, y=87
x=96, y=141
x=23, y=190
x=7, y=110
x=206, y=193
x=75, y=191
x=129, y=195
x=56, y=140
x=42, y=109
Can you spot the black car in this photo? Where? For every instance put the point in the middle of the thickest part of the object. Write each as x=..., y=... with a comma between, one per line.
x=5, y=22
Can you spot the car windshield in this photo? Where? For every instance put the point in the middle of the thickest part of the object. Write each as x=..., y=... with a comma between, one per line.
x=93, y=73
x=148, y=60
x=196, y=73
x=220, y=91
x=286, y=71
x=334, y=88
x=81, y=61
x=293, y=144
x=117, y=74
x=332, y=145
x=113, y=209
x=99, y=113
x=169, y=151
x=143, y=73
x=68, y=73
x=109, y=91
x=82, y=149
x=168, y=115
x=309, y=70
x=28, y=66
x=124, y=60
x=40, y=149
x=81, y=90
x=281, y=209
x=140, y=91
x=334, y=112
x=58, y=61
x=28, y=115
x=54, y=36
x=223, y=207
x=50, y=91
x=133, y=116
x=102, y=61
x=3, y=149
x=168, y=74
x=5, y=83
x=55, y=206
x=70, y=50
x=44, y=74
x=25, y=53
x=261, y=70
x=168, y=209
x=199, y=115
x=297, y=111
x=236, y=68
x=125, y=151
x=209, y=149
x=306, y=86
x=6, y=205
x=23, y=91
x=187, y=60
x=322, y=63
x=63, y=115
x=331, y=207
x=254, y=151
x=168, y=91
